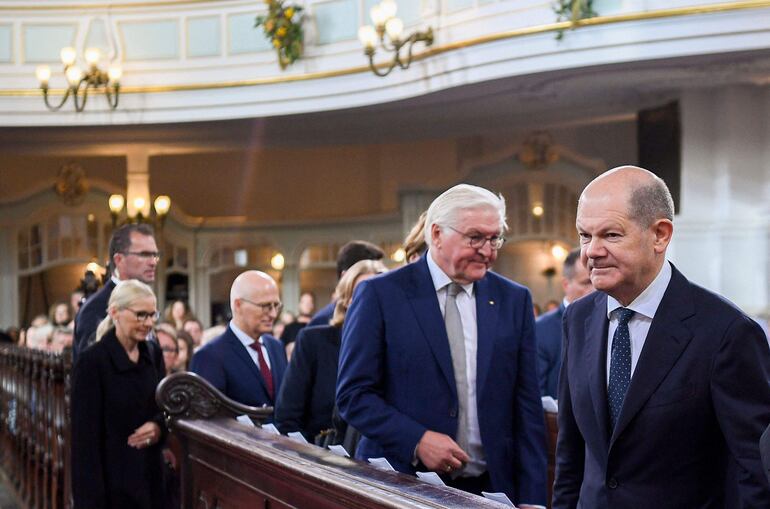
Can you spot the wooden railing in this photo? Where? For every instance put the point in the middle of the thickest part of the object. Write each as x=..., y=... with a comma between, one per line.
x=34, y=425
x=227, y=465
x=221, y=463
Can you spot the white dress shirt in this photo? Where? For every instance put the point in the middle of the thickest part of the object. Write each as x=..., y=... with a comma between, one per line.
x=645, y=306
x=247, y=342
x=466, y=305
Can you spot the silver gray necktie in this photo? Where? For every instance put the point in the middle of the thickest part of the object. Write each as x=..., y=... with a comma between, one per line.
x=454, y=330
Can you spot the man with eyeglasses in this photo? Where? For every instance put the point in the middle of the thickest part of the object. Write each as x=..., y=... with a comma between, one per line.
x=133, y=255
x=437, y=362
x=246, y=363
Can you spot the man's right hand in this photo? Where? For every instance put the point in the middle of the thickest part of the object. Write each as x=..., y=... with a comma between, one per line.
x=440, y=453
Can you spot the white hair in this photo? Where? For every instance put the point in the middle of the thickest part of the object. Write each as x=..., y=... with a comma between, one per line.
x=444, y=209
x=124, y=295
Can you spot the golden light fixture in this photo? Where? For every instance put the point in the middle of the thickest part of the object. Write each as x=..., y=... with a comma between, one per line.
x=559, y=253
x=79, y=82
x=161, y=206
x=387, y=30
x=278, y=262
x=537, y=209
x=399, y=255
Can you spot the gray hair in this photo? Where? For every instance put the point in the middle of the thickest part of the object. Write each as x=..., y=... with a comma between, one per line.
x=649, y=202
x=125, y=293
x=444, y=209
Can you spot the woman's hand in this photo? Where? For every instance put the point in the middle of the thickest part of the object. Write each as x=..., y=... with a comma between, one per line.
x=145, y=435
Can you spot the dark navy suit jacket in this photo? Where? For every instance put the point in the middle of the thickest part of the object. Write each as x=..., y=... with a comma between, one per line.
x=306, y=400
x=88, y=318
x=324, y=315
x=225, y=363
x=396, y=379
x=548, y=334
x=699, y=396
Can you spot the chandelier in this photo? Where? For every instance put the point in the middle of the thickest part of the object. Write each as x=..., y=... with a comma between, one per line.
x=138, y=211
x=388, y=32
x=80, y=82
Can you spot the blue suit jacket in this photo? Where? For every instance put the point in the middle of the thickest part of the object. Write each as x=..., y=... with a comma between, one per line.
x=548, y=334
x=226, y=364
x=396, y=379
x=324, y=315
x=698, y=397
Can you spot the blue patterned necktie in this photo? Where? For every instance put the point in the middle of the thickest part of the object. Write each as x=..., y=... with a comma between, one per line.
x=620, y=366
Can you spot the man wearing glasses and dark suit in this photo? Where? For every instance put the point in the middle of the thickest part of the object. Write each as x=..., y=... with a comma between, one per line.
x=133, y=255
x=245, y=362
x=437, y=363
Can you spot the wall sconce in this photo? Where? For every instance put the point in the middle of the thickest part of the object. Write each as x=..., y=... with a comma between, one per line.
x=161, y=206
x=537, y=209
x=399, y=255
x=386, y=23
x=79, y=82
x=278, y=262
x=559, y=253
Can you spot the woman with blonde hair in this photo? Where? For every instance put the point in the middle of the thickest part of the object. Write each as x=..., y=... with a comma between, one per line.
x=306, y=400
x=116, y=425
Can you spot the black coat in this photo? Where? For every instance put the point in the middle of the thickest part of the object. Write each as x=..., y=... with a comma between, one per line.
x=306, y=400
x=88, y=318
x=111, y=397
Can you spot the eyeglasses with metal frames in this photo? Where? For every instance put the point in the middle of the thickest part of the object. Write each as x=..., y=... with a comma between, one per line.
x=142, y=316
x=478, y=241
x=145, y=254
x=266, y=307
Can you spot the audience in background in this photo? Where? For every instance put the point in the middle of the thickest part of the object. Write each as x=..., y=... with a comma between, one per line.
x=166, y=335
x=61, y=338
x=176, y=313
x=185, y=346
x=306, y=400
x=59, y=314
x=194, y=328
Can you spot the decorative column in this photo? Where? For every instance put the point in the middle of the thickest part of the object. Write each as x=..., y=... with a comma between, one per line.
x=722, y=231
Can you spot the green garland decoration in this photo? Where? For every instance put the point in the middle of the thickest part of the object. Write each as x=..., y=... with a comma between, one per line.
x=573, y=10
x=283, y=27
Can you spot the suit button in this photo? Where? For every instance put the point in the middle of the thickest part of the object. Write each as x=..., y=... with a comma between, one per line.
x=453, y=412
x=612, y=483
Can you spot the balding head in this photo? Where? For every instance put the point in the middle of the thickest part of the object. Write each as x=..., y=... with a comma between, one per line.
x=646, y=195
x=255, y=301
x=624, y=220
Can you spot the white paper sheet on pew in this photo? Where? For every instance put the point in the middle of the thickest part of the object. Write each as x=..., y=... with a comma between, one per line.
x=298, y=436
x=550, y=404
x=431, y=478
x=339, y=451
x=381, y=463
x=498, y=497
x=244, y=419
x=270, y=428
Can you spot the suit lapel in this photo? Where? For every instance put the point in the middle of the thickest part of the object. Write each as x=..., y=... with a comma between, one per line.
x=240, y=351
x=422, y=297
x=665, y=342
x=487, y=305
x=596, y=353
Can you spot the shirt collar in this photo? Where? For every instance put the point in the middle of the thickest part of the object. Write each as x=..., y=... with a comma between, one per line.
x=647, y=302
x=242, y=336
x=440, y=279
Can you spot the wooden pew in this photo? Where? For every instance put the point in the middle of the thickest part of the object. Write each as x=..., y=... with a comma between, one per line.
x=228, y=465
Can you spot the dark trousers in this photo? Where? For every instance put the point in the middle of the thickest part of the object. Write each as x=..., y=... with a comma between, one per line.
x=473, y=485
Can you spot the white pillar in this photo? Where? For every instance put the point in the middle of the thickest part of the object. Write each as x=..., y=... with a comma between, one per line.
x=721, y=233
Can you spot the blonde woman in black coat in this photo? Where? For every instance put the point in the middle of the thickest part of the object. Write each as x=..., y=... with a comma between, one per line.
x=116, y=425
